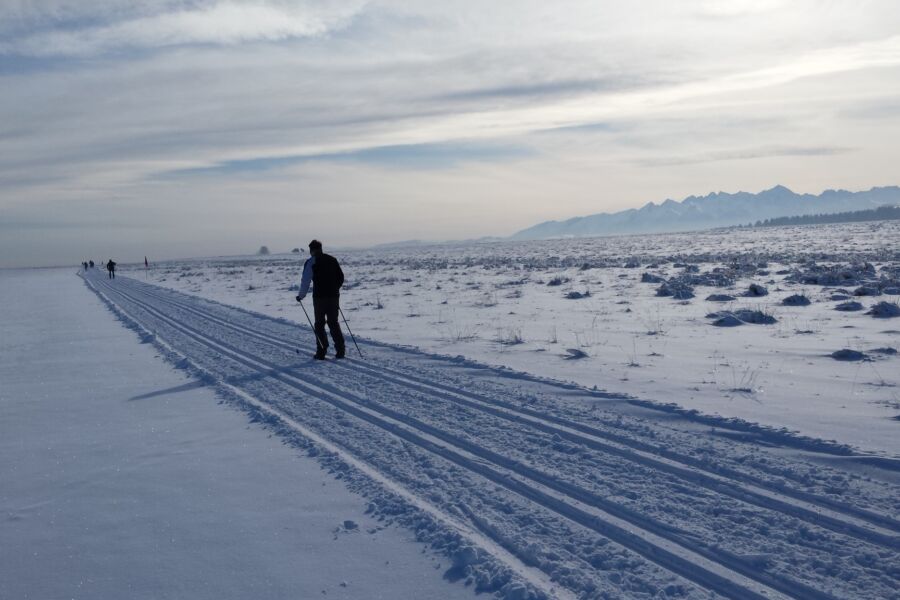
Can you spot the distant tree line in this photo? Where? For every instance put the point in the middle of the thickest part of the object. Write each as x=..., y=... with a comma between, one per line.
x=882, y=213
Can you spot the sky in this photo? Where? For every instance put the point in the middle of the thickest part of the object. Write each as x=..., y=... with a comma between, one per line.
x=178, y=128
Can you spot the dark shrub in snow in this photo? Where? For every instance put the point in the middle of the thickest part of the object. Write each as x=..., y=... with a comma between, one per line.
x=889, y=351
x=892, y=291
x=755, y=290
x=867, y=290
x=757, y=317
x=849, y=306
x=839, y=297
x=558, y=281
x=720, y=298
x=678, y=291
x=884, y=310
x=727, y=320
x=573, y=295
x=632, y=264
x=796, y=300
x=847, y=354
x=651, y=278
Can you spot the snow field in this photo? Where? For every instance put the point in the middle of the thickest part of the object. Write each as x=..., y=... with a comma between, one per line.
x=122, y=478
x=601, y=495
x=579, y=310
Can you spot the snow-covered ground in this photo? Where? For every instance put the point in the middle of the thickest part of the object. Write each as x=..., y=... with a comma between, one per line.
x=530, y=305
x=121, y=477
x=528, y=472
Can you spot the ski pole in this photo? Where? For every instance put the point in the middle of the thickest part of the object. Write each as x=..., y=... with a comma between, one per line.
x=318, y=341
x=350, y=332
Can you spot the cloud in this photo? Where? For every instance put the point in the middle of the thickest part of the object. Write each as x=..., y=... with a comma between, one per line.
x=539, y=89
x=222, y=23
x=412, y=156
x=167, y=106
x=729, y=9
x=743, y=154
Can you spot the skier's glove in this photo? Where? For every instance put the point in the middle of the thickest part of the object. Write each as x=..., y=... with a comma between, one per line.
x=300, y=297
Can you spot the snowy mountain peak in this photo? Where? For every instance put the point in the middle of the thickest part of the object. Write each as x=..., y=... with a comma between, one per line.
x=717, y=209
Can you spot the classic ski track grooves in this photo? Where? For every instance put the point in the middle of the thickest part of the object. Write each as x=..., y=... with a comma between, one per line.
x=806, y=509
x=715, y=570
x=702, y=566
x=530, y=574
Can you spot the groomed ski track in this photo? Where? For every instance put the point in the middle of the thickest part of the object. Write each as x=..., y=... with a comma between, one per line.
x=531, y=487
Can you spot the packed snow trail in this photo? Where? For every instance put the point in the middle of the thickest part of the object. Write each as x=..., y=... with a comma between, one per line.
x=558, y=484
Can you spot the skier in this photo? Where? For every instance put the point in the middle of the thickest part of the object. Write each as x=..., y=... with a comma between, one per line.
x=324, y=272
x=111, y=267
x=91, y=263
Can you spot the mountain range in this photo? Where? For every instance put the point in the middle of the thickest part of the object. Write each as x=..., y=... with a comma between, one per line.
x=718, y=209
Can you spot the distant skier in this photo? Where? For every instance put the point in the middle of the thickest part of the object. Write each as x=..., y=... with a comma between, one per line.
x=324, y=272
x=111, y=267
x=91, y=263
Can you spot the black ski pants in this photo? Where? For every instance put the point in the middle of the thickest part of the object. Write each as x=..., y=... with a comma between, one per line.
x=327, y=310
x=112, y=274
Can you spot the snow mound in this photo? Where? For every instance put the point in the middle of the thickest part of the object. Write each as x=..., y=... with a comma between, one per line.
x=720, y=298
x=465, y=555
x=651, y=278
x=884, y=310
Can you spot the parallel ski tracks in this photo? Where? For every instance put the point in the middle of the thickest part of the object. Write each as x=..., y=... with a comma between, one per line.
x=714, y=570
x=823, y=512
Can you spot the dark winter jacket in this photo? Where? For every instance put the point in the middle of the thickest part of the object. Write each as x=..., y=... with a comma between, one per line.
x=325, y=274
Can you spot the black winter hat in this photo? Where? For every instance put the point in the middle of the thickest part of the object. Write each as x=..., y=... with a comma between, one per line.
x=315, y=245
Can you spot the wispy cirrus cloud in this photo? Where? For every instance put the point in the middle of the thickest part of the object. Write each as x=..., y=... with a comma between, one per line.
x=180, y=23
x=743, y=154
x=412, y=156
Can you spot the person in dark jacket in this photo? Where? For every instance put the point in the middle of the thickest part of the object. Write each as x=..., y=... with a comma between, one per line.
x=111, y=267
x=324, y=272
